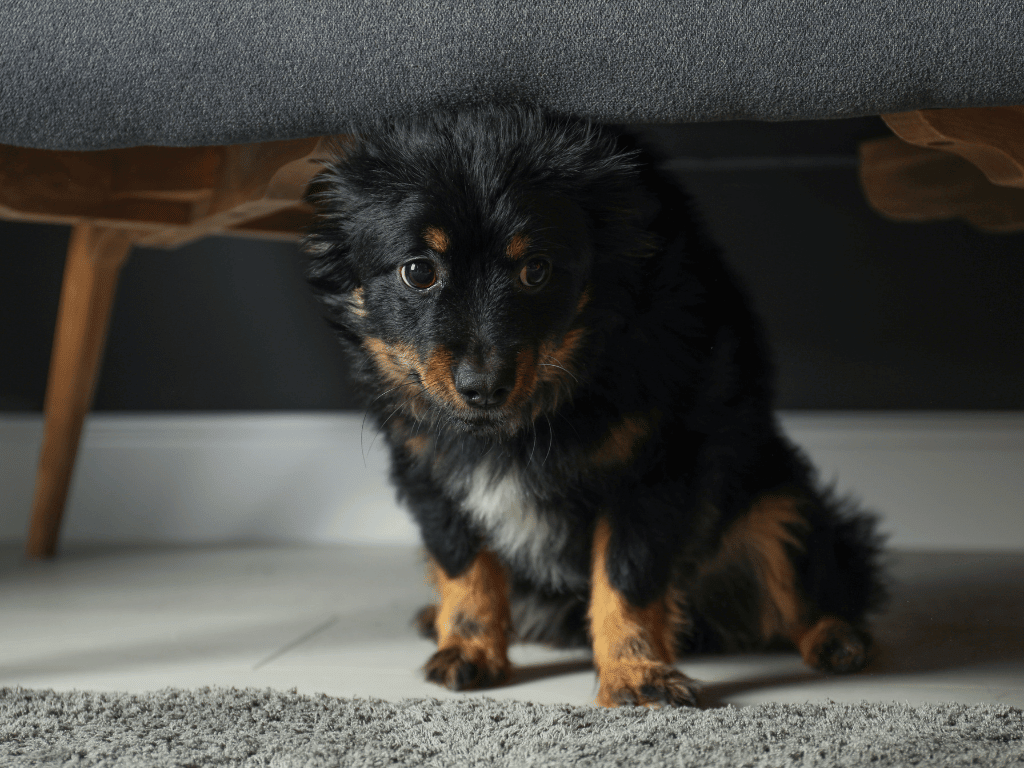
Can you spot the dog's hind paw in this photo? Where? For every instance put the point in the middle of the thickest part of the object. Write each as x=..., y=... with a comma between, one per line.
x=425, y=620
x=833, y=645
x=648, y=685
x=453, y=668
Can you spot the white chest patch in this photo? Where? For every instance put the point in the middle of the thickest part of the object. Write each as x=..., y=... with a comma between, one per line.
x=507, y=512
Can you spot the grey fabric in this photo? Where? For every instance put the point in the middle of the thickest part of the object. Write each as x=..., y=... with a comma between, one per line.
x=89, y=74
x=211, y=727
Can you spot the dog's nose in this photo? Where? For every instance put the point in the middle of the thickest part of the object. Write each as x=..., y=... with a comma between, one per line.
x=483, y=387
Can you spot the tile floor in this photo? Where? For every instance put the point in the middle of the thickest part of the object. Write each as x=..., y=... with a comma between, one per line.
x=337, y=620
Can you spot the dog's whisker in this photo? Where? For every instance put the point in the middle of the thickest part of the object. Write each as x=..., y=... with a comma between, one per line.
x=566, y=420
x=388, y=391
x=553, y=365
x=362, y=426
x=551, y=439
x=533, y=450
x=381, y=428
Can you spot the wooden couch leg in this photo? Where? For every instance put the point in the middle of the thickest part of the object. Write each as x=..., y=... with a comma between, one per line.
x=95, y=256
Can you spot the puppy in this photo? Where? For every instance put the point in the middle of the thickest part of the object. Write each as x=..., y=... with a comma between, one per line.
x=578, y=403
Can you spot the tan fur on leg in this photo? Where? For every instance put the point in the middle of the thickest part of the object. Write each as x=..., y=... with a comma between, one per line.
x=472, y=624
x=633, y=646
x=763, y=538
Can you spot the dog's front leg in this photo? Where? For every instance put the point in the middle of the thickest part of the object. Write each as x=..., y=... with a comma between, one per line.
x=472, y=624
x=634, y=646
x=472, y=619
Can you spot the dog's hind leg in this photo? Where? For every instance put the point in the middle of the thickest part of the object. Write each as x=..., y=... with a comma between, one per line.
x=633, y=646
x=802, y=563
x=472, y=625
x=425, y=621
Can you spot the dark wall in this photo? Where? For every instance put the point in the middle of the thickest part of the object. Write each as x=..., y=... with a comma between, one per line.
x=864, y=313
x=221, y=324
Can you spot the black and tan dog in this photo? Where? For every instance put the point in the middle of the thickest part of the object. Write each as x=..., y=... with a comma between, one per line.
x=578, y=402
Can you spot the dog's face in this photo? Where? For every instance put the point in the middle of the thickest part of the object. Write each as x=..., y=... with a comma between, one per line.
x=470, y=313
x=461, y=271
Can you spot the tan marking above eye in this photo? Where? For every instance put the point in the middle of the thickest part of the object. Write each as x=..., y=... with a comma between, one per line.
x=517, y=247
x=437, y=239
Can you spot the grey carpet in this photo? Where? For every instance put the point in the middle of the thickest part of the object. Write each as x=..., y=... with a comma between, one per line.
x=89, y=74
x=221, y=727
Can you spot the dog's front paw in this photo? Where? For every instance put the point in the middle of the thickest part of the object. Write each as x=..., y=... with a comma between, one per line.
x=648, y=684
x=460, y=668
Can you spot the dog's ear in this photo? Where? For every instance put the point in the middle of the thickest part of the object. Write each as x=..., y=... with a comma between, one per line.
x=330, y=273
x=334, y=282
x=335, y=286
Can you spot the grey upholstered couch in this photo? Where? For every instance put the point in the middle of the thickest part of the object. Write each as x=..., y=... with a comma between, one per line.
x=90, y=74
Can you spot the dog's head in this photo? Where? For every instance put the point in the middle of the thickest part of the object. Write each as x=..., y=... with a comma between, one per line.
x=463, y=256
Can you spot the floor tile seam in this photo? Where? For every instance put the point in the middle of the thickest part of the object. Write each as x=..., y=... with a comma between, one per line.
x=296, y=642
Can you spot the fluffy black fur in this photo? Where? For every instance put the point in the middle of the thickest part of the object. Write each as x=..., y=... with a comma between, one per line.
x=651, y=402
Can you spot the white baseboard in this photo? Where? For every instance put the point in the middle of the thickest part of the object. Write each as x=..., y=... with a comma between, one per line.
x=941, y=480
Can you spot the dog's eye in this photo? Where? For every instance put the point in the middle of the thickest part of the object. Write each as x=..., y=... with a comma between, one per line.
x=535, y=273
x=419, y=274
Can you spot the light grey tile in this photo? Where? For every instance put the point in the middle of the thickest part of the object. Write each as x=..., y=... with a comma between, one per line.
x=337, y=620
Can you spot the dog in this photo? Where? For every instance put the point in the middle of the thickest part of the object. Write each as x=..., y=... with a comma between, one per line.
x=577, y=397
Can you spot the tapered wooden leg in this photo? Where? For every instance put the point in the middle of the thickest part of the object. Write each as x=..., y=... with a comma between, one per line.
x=95, y=256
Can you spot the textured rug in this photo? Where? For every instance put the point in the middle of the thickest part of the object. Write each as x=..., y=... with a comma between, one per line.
x=221, y=727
